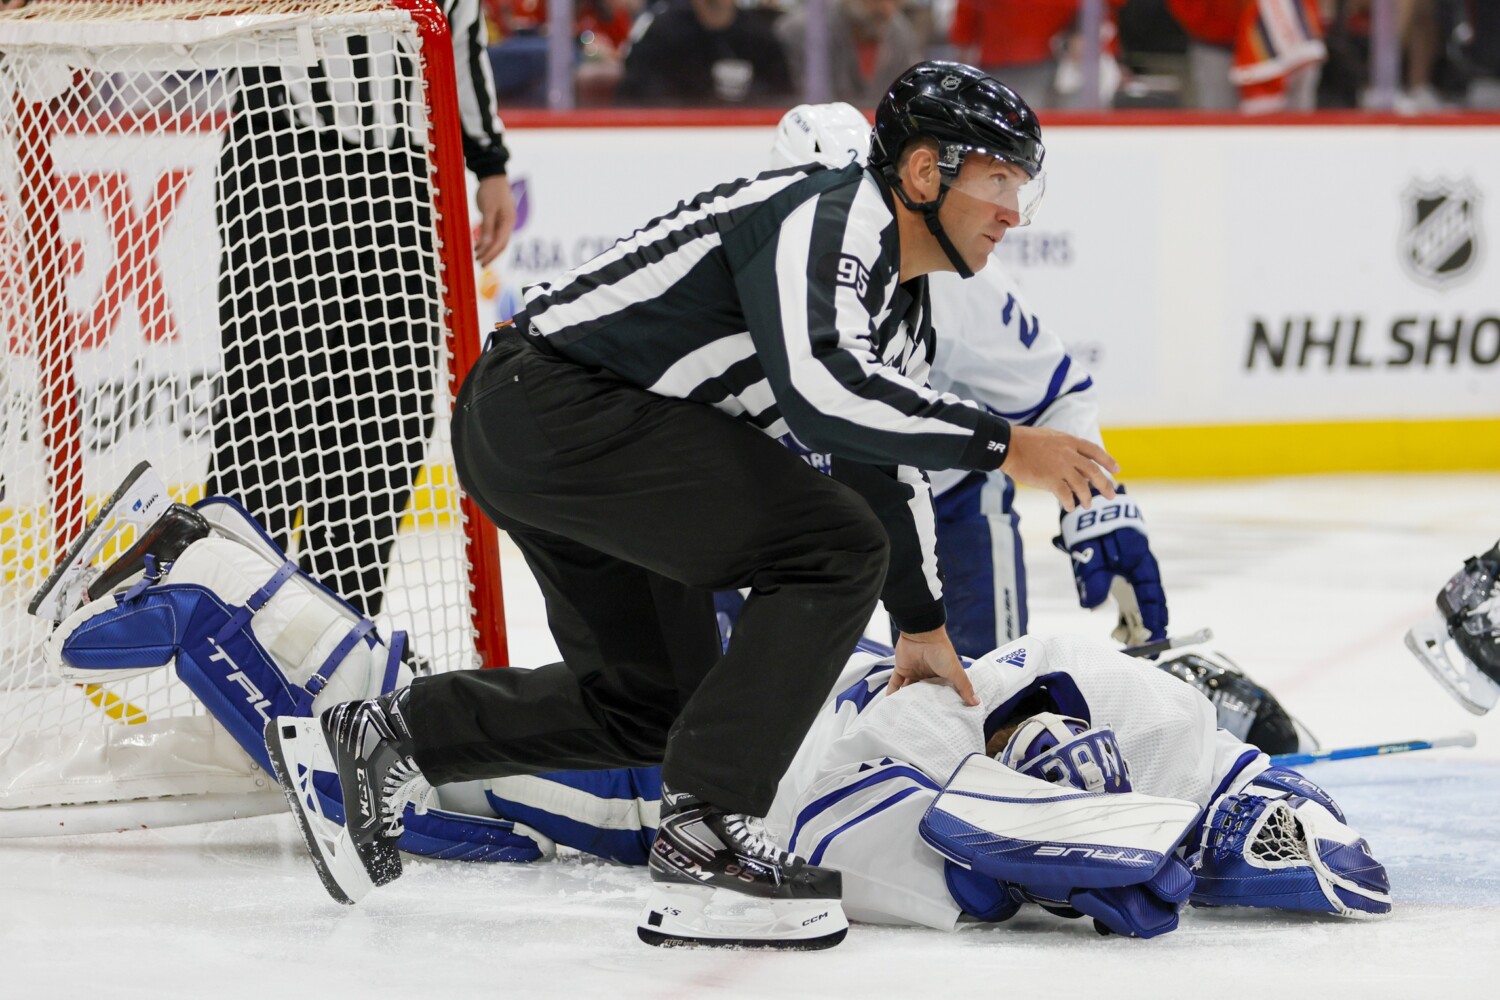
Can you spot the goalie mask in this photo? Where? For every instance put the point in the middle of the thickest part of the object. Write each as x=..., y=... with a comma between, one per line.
x=1245, y=710
x=1067, y=751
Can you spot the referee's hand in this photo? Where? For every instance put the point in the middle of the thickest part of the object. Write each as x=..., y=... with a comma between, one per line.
x=1068, y=467
x=497, y=217
x=922, y=656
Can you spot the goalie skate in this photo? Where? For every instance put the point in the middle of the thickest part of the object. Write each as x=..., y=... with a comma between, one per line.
x=298, y=751
x=140, y=502
x=366, y=744
x=1431, y=644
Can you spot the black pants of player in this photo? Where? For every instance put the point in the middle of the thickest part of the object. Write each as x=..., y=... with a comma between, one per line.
x=631, y=508
x=329, y=333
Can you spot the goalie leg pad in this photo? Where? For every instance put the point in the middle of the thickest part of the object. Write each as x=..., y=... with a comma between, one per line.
x=255, y=638
x=1015, y=828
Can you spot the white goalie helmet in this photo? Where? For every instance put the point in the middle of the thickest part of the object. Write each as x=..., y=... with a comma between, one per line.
x=830, y=134
x=1067, y=751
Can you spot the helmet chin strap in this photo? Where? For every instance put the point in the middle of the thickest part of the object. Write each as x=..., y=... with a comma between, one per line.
x=928, y=210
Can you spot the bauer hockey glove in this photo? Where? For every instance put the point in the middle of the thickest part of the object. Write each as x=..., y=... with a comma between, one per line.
x=1111, y=555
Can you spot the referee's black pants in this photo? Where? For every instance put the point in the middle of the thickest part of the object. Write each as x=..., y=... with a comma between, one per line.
x=631, y=508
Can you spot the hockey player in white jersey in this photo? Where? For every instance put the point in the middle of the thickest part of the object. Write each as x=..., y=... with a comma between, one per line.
x=992, y=348
x=871, y=789
x=1116, y=796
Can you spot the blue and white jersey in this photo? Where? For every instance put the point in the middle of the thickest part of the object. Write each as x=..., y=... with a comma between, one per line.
x=872, y=762
x=991, y=348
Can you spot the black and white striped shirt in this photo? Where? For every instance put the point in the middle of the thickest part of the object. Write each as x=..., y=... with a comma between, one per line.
x=357, y=88
x=778, y=301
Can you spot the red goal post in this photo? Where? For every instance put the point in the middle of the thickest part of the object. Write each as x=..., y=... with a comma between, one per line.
x=234, y=242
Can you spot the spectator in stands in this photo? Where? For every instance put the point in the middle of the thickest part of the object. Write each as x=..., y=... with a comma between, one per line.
x=519, y=47
x=1019, y=42
x=1254, y=55
x=870, y=42
x=1211, y=27
x=703, y=52
x=1484, y=54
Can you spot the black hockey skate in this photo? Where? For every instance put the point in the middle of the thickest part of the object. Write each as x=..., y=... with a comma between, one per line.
x=717, y=880
x=367, y=744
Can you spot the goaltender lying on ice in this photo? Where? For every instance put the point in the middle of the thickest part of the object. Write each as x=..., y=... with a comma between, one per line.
x=1085, y=782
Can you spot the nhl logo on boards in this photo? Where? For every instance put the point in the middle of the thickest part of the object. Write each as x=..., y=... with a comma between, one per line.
x=1440, y=231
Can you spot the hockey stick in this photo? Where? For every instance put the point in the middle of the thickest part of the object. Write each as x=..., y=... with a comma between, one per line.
x=1171, y=642
x=1463, y=739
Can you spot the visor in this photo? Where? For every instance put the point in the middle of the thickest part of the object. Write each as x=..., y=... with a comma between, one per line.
x=1010, y=189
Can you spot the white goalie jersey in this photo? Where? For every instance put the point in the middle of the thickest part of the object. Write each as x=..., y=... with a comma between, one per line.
x=873, y=762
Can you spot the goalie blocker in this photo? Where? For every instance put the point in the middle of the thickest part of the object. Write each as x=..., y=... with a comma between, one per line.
x=251, y=634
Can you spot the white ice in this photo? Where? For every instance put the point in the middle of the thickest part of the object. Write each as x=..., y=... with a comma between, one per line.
x=1309, y=583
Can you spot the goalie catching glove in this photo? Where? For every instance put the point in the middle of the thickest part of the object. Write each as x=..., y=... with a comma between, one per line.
x=1282, y=843
x=253, y=637
x=1111, y=556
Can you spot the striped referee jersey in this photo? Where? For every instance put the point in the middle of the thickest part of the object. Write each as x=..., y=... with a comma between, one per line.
x=777, y=300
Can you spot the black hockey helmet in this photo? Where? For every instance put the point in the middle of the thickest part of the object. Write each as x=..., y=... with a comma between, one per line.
x=965, y=110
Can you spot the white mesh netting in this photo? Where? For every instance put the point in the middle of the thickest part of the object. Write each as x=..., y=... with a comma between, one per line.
x=217, y=254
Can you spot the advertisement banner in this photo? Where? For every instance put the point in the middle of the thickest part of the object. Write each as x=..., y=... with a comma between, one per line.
x=1204, y=275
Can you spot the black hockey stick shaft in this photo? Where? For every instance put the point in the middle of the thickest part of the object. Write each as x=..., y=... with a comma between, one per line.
x=1170, y=642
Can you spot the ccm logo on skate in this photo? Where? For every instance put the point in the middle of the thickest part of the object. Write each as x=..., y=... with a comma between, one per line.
x=1097, y=853
x=813, y=920
x=253, y=694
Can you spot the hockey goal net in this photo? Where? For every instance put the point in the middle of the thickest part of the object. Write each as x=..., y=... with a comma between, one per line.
x=233, y=243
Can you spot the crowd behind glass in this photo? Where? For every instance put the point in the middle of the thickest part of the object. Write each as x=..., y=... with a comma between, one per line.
x=1252, y=56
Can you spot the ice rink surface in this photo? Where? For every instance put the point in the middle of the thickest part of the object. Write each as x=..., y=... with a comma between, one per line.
x=1308, y=583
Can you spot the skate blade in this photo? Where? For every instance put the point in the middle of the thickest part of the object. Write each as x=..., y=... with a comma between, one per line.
x=298, y=750
x=688, y=916
x=140, y=500
x=1430, y=643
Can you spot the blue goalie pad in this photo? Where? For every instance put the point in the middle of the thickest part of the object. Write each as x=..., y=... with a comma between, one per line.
x=1285, y=852
x=1145, y=910
x=178, y=613
x=439, y=833
x=611, y=813
x=1015, y=828
x=978, y=896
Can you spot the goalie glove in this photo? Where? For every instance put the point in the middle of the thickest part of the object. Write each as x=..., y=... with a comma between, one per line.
x=1111, y=556
x=1146, y=910
x=1282, y=844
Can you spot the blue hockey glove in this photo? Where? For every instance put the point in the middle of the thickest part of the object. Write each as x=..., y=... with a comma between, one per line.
x=1283, y=844
x=1111, y=556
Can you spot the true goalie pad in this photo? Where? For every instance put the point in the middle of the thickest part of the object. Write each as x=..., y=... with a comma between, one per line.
x=1282, y=844
x=1016, y=828
x=254, y=637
